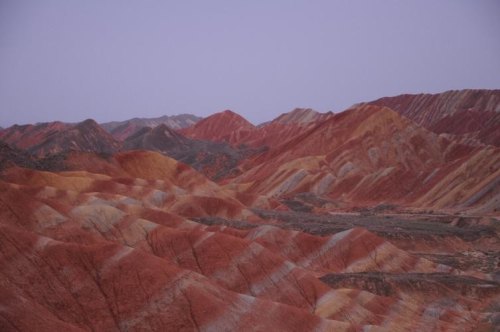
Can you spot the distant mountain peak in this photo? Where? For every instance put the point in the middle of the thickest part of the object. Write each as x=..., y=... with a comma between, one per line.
x=124, y=129
x=300, y=116
x=231, y=116
x=166, y=131
x=88, y=124
x=226, y=126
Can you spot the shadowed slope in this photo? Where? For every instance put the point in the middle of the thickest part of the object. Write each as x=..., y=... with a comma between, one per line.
x=10, y=156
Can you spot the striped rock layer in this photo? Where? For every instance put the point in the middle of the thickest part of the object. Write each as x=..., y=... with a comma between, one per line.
x=86, y=250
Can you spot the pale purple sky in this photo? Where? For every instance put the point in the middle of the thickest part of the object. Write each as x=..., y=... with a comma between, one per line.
x=116, y=59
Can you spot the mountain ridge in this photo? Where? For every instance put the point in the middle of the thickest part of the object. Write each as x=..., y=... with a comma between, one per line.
x=123, y=129
x=447, y=112
x=355, y=221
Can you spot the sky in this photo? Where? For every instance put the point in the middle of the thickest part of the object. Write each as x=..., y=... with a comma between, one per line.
x=70, y=60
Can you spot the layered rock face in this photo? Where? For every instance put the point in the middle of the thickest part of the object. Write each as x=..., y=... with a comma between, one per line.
x=364, y=220
x=371, y=154
x=83, y=250
x=473, y=112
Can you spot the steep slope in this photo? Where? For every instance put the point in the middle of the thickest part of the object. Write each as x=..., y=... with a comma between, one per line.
x=472, y=112
x=371, y=154
x=56, y=137
x=123, y=129
x=225, y=126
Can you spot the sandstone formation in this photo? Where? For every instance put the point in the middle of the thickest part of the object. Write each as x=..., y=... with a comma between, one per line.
x=372, y=154
x=86, y=250
x=379, y=218
x=472, y=112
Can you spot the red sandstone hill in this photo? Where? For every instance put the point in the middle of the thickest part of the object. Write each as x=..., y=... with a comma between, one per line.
x=225, y=126
x=472, y=112
x=284, y=127
x=115, y=246
x=232, y=128
x=372, y=154
x=55, y=137
x=135, y=240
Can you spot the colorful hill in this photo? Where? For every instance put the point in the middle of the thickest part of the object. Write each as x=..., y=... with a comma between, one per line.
x=475, y=113
x=384, y=217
